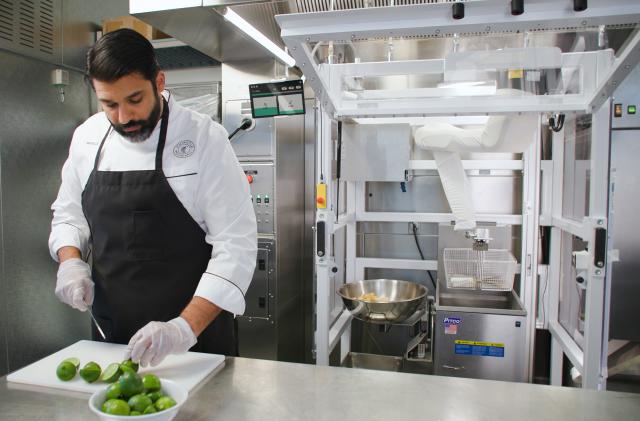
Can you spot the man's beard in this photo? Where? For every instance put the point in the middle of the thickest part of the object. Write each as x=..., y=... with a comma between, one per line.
x=146, y=126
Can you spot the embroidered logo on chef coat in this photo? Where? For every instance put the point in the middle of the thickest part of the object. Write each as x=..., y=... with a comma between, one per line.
x=184, y=149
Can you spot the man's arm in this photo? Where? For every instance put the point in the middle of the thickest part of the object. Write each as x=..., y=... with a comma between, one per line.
x=199, y=313
x=223, y=201
x=69, y=228
x=68, y=252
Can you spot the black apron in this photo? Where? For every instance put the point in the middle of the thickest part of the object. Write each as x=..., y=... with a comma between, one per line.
x=148, y=253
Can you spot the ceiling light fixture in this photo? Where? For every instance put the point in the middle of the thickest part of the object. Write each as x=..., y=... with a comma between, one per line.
x=258, y=36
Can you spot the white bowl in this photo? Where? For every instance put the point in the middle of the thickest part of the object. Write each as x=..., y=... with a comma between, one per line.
x=177, y=392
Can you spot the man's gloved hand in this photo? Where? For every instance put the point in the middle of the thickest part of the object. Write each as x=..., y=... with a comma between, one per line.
x=74, y=285
x=156, y=340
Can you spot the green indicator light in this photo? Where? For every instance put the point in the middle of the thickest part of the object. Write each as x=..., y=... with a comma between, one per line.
x=631, y=109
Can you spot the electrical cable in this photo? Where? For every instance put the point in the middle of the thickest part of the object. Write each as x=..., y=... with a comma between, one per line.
x=556, y=123
x=415, y=237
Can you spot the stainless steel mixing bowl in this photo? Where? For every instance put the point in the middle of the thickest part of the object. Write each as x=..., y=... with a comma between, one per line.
x=402, y=299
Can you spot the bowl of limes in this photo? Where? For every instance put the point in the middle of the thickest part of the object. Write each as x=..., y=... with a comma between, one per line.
x=145, y=396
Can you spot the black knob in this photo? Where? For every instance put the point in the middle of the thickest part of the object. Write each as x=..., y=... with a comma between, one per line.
x=579, y=5
x=458, y=10
x=517, y=7
x=580, y=280
x=334, y=269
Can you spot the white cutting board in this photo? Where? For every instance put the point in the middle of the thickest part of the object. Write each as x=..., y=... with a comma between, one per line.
x=187, y=369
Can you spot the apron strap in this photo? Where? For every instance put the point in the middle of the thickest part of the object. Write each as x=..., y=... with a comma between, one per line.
x=161, y=141
x=163, y=133
x=95, y=164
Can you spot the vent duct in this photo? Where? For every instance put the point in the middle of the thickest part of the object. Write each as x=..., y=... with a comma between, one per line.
x=30, y=27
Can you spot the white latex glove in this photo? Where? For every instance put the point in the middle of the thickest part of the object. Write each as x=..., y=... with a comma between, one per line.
x=152, y=343
x=74, y=285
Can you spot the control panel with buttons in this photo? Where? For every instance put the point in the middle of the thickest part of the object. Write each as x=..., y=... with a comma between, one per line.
x=625, y=102
x=260, y=177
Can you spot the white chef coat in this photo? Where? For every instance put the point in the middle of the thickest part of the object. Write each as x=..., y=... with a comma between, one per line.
x=205, y=175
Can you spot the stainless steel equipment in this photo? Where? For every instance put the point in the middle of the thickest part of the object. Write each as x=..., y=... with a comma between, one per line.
x=384, y=300
x=272, y=155
x=480, y=334
x=623, y=222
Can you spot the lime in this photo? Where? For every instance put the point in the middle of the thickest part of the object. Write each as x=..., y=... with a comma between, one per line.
x=113, y=391
x=90, y=372
x=130, y=384
x=151, y=382
x=66, y=371
x=111, y=373
x=130, y=364
x=154, y=396
x=134, y=413
x=73, y=360
x=139, y=402
x=165, y=402
x=150, y=410
x=116, y=407
x=124, y=369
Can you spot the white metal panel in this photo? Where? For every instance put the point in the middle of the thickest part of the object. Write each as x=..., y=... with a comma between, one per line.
x=434, y=217
x=375, y=153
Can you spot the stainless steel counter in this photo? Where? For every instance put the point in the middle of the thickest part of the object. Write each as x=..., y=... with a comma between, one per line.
x=248, y=390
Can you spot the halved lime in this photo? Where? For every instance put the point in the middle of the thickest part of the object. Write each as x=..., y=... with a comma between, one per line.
x=111, y=373
x=90, y=372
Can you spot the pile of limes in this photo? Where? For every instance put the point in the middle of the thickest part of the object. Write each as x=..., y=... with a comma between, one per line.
x=128, y=393
x=135, y=395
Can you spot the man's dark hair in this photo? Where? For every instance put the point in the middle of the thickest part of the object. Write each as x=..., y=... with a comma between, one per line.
x=121, y=53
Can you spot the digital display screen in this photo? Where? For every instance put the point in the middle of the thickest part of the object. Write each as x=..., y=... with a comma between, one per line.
x=277, y=98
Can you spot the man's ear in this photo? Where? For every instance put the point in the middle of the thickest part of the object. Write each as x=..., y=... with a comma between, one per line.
x=160, y=81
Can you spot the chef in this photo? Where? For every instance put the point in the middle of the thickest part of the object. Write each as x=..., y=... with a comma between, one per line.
x=153, y=194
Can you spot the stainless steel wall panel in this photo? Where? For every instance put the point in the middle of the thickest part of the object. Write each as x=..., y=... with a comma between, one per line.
x=262, y=194
x=34, y=143
x=309, y=221
x=396, y=246
x=4, y=352
x=625, y=286
x=257, y=143
x=490, y=194
x=289, y=237
x=280, y=144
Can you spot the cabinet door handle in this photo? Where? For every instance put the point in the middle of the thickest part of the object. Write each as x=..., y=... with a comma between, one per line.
x=451, y=367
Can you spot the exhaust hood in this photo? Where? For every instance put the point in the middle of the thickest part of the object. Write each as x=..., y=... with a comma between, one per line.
x=201, y=24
